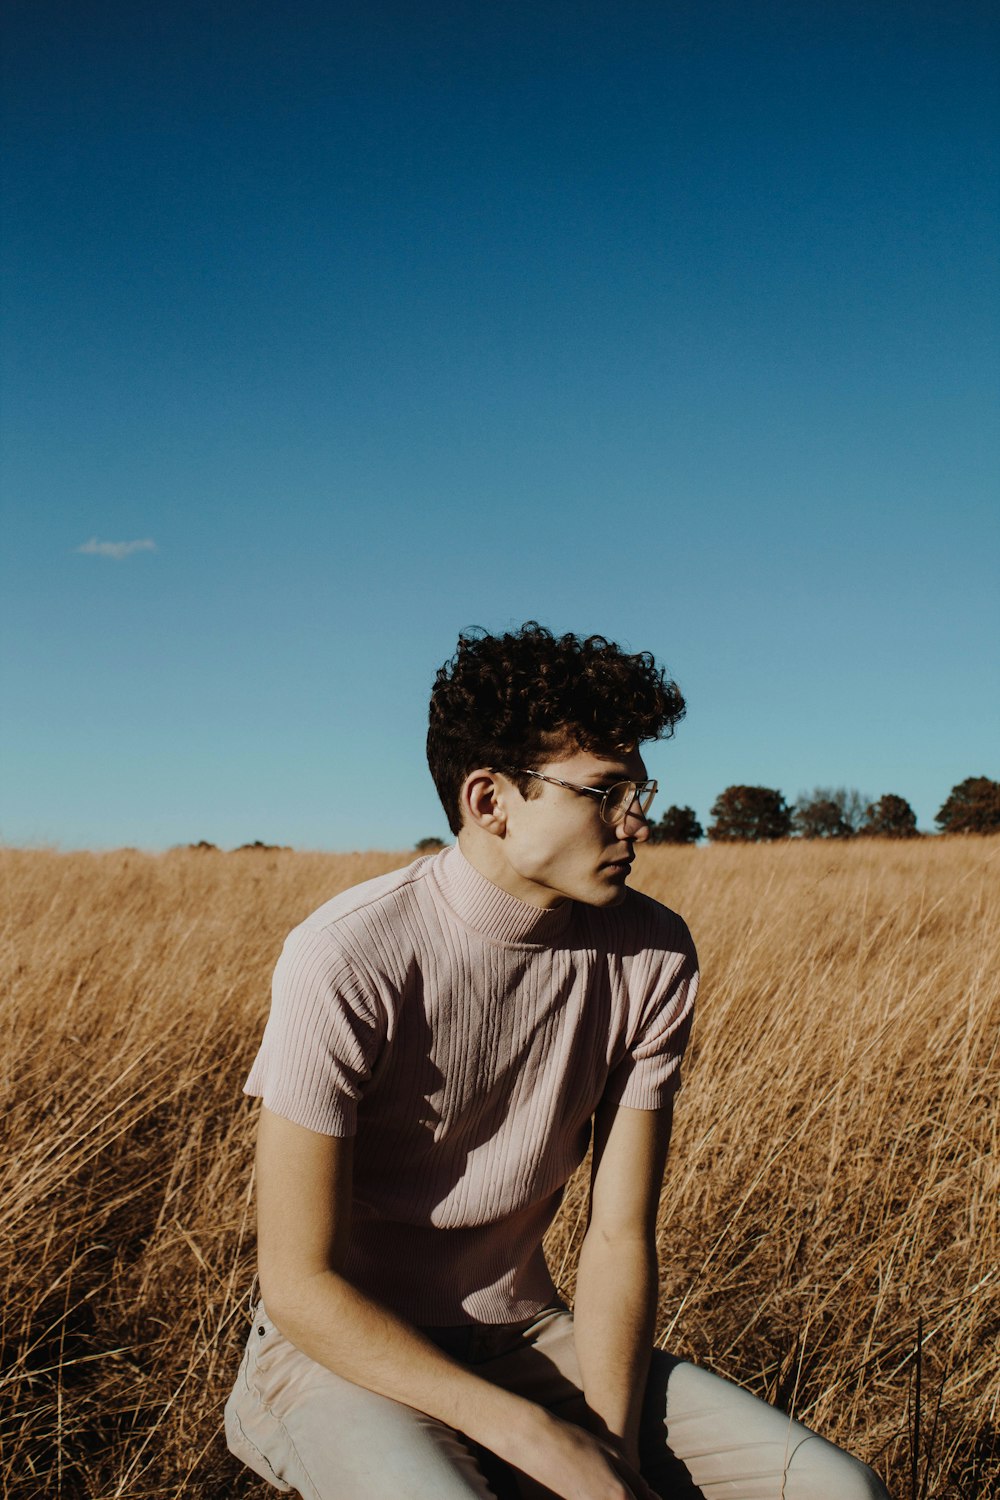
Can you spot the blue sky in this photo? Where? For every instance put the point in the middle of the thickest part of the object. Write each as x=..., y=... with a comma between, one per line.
x=676, y=322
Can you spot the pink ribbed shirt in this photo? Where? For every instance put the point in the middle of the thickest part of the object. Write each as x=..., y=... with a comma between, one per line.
x=466, y=1039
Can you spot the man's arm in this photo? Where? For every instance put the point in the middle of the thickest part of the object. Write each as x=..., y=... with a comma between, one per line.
x=303, y=1221
x=616, y=1289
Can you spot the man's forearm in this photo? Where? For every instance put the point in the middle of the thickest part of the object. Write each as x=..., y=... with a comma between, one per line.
x=614, y=1316
x=340, y=1327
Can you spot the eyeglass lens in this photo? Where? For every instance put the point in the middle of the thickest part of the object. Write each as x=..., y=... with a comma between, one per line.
x=622, y=796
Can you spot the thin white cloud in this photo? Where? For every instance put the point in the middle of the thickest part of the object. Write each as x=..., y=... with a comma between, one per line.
x=117, y=550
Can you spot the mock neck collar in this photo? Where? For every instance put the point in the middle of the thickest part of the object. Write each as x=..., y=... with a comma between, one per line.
x=493, y=911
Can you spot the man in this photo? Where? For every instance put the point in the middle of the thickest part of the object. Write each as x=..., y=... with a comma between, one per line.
x=443, y=1043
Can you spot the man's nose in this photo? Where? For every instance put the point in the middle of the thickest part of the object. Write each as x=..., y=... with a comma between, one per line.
x=634, y=825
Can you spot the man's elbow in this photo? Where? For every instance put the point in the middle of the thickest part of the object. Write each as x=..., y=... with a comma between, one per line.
x=621, y=1239
x=289, y=1293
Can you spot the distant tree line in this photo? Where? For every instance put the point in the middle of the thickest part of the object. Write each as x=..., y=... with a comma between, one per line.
x=759, y=814
x=205, y=847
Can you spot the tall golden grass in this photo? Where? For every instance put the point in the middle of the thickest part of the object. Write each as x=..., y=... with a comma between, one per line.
x=833, y=1184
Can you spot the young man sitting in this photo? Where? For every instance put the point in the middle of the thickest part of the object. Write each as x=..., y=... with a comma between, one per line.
x=443, y=1043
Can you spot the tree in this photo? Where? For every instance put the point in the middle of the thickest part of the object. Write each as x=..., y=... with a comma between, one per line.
x=891, y=817
x=973, y=806
x=819, y=817
x=677, y=826
x=851, y=806
x=749, y=814
x=428, y=845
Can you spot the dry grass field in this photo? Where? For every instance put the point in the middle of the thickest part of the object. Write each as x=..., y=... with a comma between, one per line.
x=834, y=1183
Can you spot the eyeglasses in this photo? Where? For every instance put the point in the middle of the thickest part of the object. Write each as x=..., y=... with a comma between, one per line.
x=616, y=801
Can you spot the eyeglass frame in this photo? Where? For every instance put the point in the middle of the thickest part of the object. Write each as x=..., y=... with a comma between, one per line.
x=638, y=787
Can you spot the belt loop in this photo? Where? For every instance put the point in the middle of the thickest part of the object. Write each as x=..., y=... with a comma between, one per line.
x=253, y=1298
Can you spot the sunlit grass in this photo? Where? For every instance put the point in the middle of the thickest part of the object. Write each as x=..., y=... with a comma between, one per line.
x=834, y=1176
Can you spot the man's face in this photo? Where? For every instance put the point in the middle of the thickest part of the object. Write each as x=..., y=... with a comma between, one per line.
x=556, y=844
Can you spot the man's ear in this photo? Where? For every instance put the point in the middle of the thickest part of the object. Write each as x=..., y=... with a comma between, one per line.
x=482, y=800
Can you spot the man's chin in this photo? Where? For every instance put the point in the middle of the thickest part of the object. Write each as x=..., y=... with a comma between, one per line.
x=609, y=895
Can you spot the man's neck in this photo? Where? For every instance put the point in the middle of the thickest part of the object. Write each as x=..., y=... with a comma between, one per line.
x=485, y=852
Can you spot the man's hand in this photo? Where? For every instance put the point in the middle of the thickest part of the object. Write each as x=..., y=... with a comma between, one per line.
x=575, y=1465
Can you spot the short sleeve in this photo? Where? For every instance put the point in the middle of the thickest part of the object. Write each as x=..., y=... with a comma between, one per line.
x=650, y=1072
x=322, y=1040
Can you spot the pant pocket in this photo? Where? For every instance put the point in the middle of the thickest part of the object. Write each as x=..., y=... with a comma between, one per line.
x=251, y=1430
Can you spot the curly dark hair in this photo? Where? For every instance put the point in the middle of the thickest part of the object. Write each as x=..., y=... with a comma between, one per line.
x=530, y=696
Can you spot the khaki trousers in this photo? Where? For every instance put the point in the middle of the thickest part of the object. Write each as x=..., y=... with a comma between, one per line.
x=305, y=1429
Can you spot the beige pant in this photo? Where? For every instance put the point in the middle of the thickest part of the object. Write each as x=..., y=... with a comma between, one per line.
x=303, y=1428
